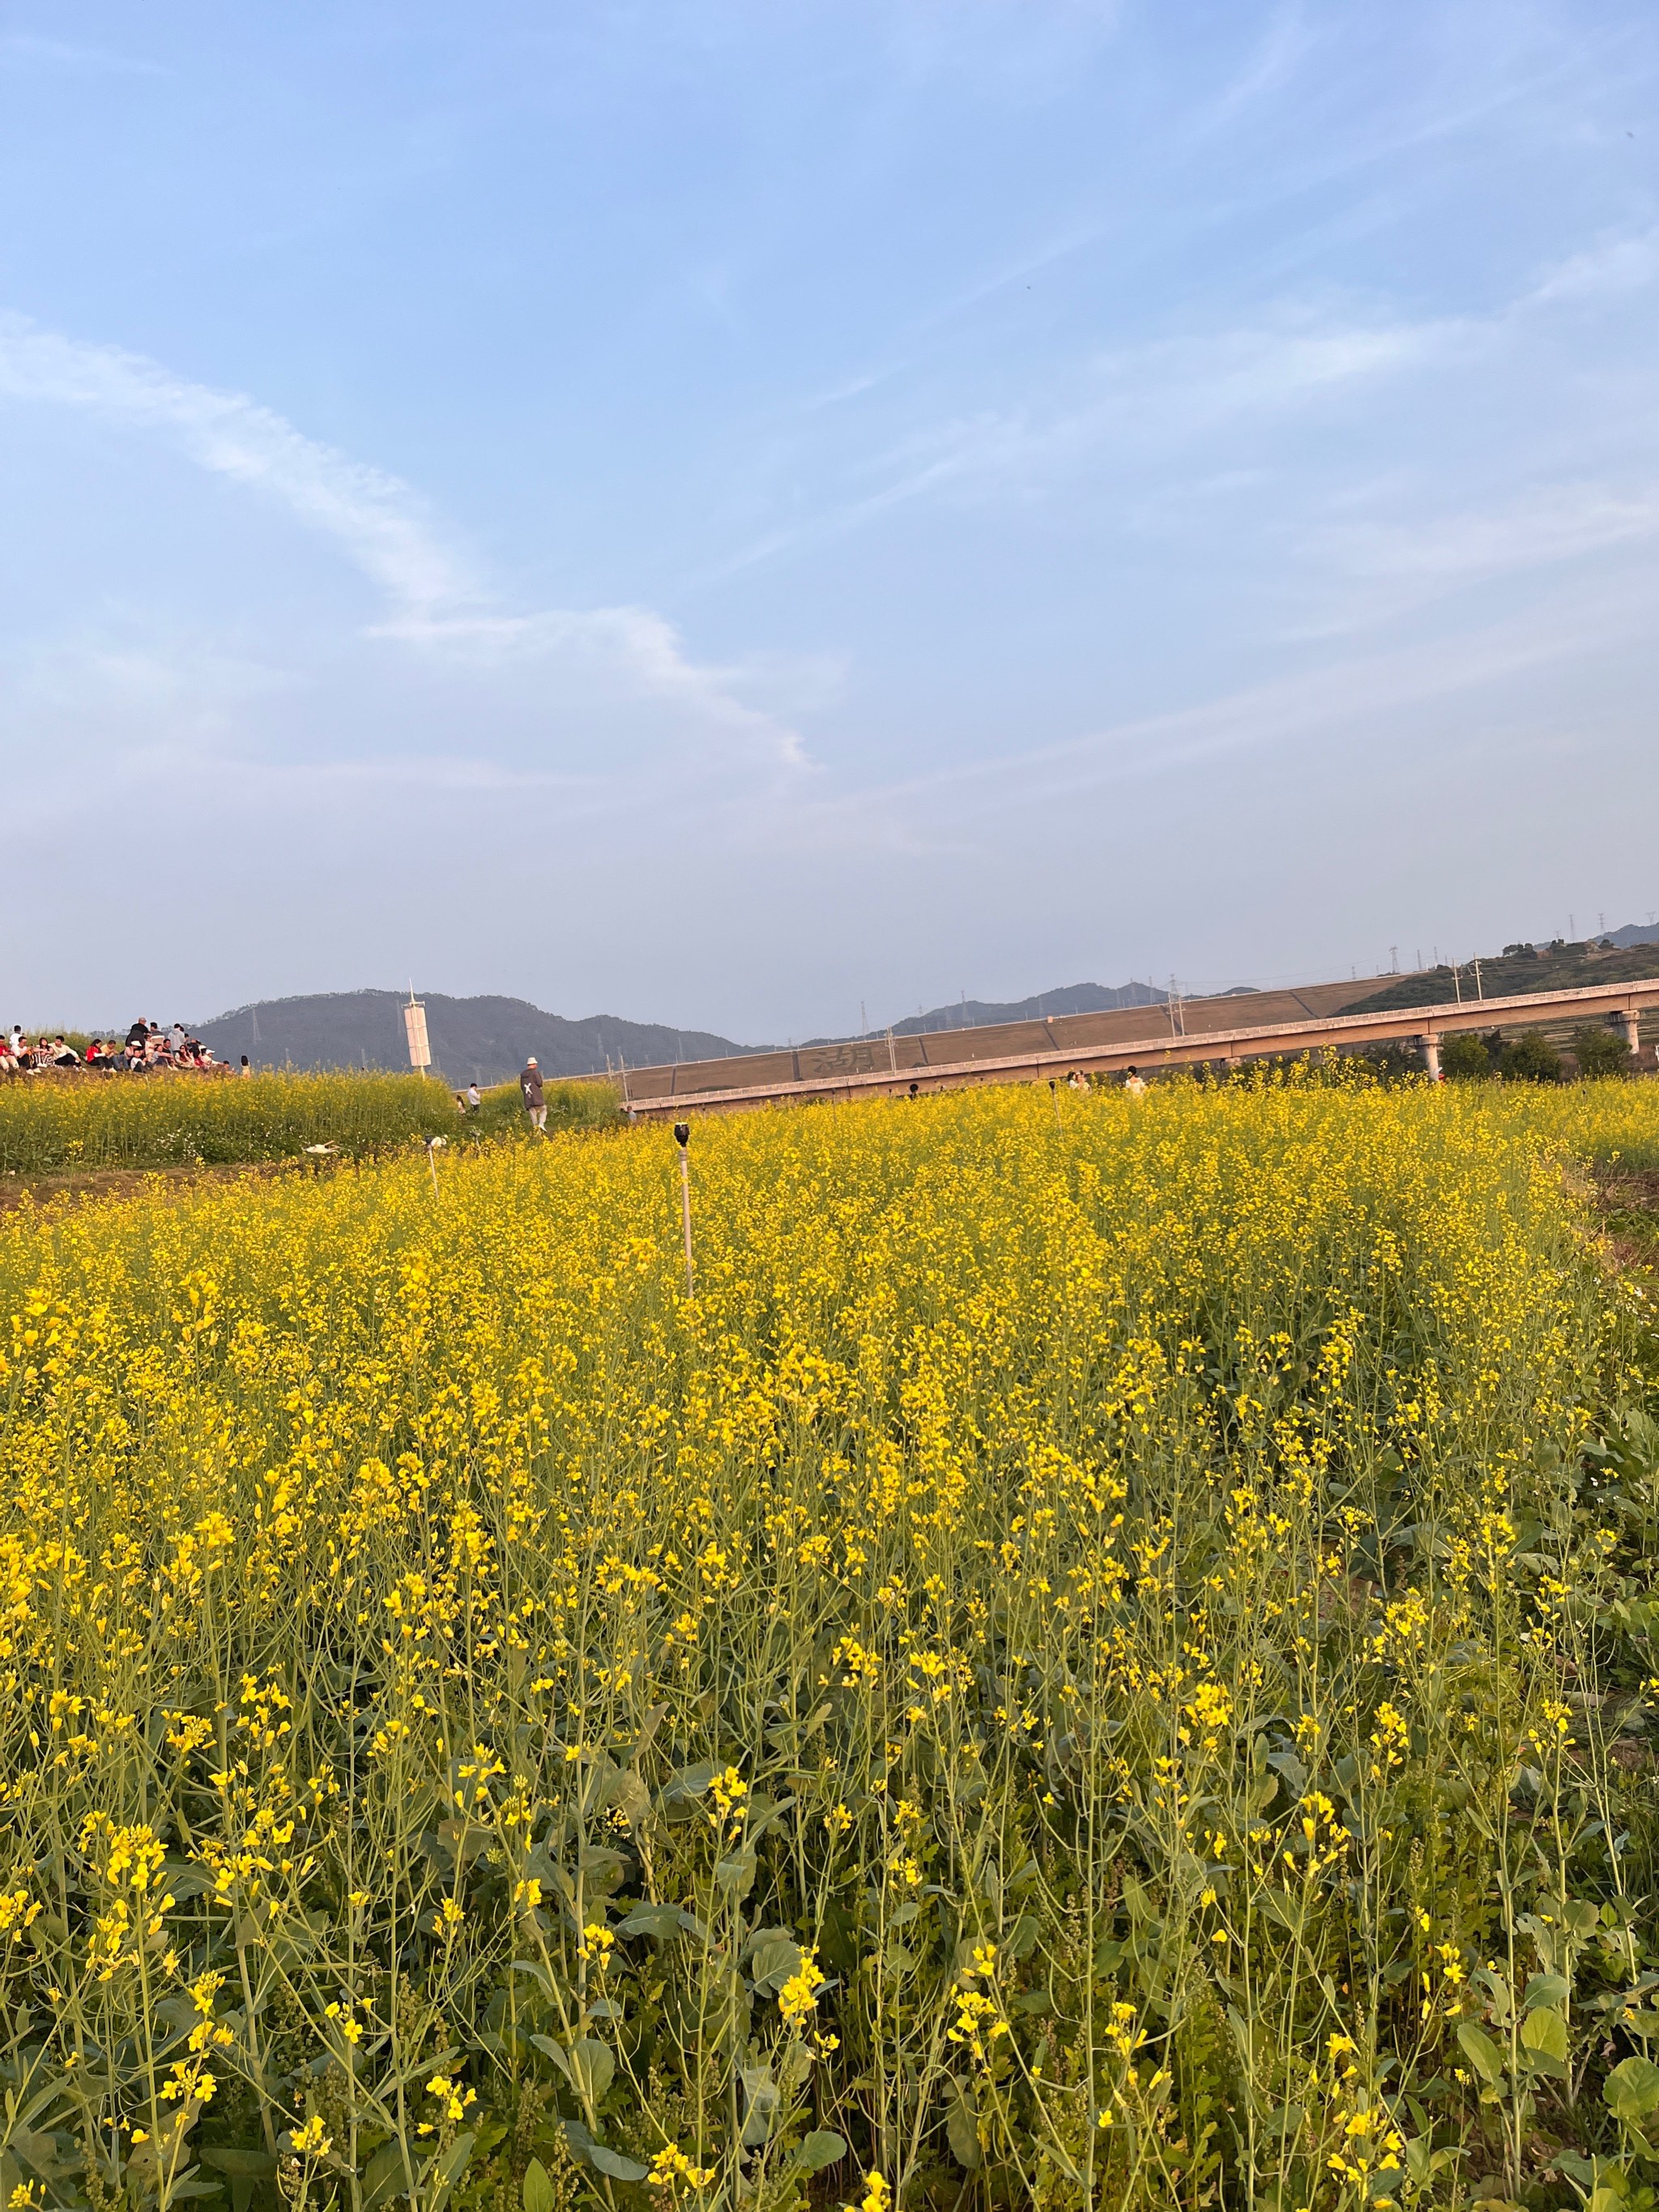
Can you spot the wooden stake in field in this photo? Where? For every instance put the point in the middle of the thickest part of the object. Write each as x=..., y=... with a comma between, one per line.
x=431, y=1145
x=682, y=1138
x=1053, y=1093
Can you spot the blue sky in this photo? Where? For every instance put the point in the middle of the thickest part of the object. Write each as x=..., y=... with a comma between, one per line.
x=724, y=510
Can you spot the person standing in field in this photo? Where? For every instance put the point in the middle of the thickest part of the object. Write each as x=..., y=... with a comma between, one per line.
x=244, y=1069
x=1132, y=1083
x=474, y=1099
x=529, y=1089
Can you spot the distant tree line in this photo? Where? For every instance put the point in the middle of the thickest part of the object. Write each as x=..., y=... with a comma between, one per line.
x=1530, y=1057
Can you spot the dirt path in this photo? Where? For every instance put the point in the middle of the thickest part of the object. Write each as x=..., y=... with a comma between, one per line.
x=18, y=1190
x=1628, y=1203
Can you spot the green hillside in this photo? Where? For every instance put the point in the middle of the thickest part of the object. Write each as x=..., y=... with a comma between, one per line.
x=1556, y=967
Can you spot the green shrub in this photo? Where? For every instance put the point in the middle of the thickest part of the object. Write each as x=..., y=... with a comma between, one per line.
x=1531, y=1059
x=1466, y=1058
x=1600, y=1052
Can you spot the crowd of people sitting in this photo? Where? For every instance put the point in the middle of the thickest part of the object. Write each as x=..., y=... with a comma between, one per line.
x=145, y=1046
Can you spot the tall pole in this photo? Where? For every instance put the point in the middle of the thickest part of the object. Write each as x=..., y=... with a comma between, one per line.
x=682, y=1138
x=420, y=1051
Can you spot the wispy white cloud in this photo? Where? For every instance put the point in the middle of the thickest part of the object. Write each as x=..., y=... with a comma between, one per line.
x=1628, y=261
x=192, y=726
x=1559, y=522
x=374, y=518
x=1131, y=405
x=641, y=648
x=1274, y=62
x=1126, y=407
x=431, y=600
x=1333, y=700
x=27, y=46
x=1075, y=239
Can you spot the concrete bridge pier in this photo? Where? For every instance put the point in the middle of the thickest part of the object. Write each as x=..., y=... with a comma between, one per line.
x=1632, y=1021
x=1430, y=1057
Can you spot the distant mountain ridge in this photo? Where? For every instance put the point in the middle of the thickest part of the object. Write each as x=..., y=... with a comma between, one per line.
x=981, y=1013
x=486, y=1039
x=475, y=1040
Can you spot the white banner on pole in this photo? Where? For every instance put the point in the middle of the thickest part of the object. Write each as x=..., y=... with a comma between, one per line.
x=420, y=1053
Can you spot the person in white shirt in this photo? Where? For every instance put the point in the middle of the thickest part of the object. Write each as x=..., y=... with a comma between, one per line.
x=1132, y=1083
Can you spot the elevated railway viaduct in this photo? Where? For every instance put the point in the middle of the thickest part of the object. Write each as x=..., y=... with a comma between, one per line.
x=1224, y=1031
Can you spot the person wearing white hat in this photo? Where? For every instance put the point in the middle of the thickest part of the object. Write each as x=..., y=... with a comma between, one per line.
x=529, y=1089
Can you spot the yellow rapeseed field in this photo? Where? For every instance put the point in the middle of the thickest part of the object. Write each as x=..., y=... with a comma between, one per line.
x=1101, y=1664
x=52, y=1123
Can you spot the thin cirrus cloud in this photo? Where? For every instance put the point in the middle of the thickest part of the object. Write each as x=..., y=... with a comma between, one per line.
x=1127, y=410
x=431, y=601
x=1562, y=522
x=1148, y=405
x=1595, y=491
x=372, y=517
x=1624, y=263
x=27, y=48
x=1358, y=692
x=1154, y=401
